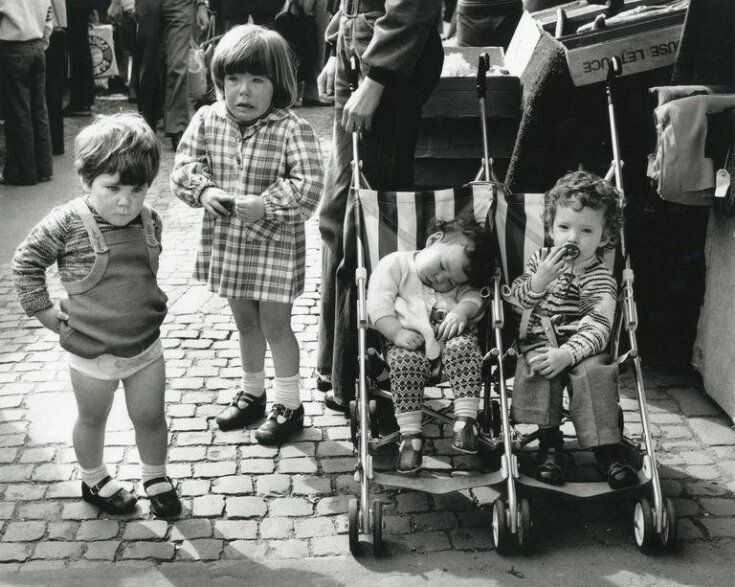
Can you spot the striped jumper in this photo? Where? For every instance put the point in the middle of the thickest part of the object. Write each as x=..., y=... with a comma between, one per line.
x=587, y=292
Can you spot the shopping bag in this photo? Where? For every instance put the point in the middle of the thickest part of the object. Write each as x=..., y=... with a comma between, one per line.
x=102, y=48
x=196, y=77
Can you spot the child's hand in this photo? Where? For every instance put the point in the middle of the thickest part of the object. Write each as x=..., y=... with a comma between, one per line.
x=216, y=201
x=551, y=266
x=249, y=208
x=408, y=339
x=52, y=317
x=549, y=362
x=453, y=325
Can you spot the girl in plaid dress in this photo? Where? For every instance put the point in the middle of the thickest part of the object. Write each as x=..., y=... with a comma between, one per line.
x=255, y=168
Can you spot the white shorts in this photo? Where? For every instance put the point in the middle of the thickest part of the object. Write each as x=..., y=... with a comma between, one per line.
x=110, y=367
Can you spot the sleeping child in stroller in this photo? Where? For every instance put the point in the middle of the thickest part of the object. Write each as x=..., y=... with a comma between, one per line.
x=571, y=282
x=425, y=304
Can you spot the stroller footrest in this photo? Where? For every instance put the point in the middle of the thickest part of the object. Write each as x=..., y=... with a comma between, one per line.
x=438, y=484
x=582, y=490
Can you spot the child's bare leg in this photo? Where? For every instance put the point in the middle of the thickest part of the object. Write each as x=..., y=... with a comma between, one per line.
x=287, y=415
x=252, y=339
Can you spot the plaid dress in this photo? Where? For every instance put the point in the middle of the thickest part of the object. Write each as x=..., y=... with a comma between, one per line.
x=277, y=157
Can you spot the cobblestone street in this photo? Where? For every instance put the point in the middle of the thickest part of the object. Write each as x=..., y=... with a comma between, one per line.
x=280, y=507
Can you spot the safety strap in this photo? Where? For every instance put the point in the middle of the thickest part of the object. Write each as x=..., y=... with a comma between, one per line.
x=525, y=319
x=90, y=224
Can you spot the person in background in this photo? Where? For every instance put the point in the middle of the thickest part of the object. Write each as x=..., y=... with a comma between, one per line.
x=487, y=23
x=81, y=74
x=122, y=16
x=55, y=71
x=170, y=21
x=25, y=29
x=400, y=57
x=233, y=12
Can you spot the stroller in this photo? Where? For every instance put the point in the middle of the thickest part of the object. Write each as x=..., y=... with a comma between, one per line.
x=386, y=222
x=518, y=232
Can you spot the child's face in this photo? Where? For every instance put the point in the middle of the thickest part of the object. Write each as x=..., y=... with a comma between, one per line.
x=248, y=96
x=118, y=204
x=443, y=265
x=579, y=225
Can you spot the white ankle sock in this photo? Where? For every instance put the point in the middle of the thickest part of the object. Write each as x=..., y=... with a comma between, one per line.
x=286, y=391
x=254, y=383
x=149, y=472
x=467, y=407
x=93, y=476
x=409, y=422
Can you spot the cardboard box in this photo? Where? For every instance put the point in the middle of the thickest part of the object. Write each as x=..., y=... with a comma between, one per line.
x=456, y=97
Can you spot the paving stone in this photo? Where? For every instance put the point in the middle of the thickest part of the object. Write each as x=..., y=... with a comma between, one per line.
x=688, y=530
x=191, y=529
x=332, y=505
x=194, y=487
x=719, y=507
x=194, y=438
x=713, y=431
x=330, y=546
x=24, y=492
x=337, y=465
x=145, y=530
x=47, y=510
x=201, y=549
x=24, y=531
x=236, y=529
x=288, y=548
x=256, y=466
x=13, y=552
x=694, y=402
x=245, y=507
x=425, y=542
x=79, y=510
x=233, y=484
x=273, y=484
x=58, y=550
x=472, y=538
x=92, y=530
x=290, y=507
x=720, y=527
x=430, y=521
x=311, y=485
x=207, y=506
x=312, y=527
x=161, y=551
x=295, y=466
x=331, y=448
x=412, y=502
x=15, y=473
x=217, y=469
x=298, y=449
x=239, y=549
x=276, y=528
x=222, y=453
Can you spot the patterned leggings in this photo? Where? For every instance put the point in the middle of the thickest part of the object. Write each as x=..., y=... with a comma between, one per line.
x=410, y=371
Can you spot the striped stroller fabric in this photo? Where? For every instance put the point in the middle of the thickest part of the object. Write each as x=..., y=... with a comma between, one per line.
x=519, y=232
x=402, y=221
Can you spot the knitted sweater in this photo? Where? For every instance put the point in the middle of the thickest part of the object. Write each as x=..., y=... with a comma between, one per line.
x=59, y=238
x=586, y=293
x=396, y=290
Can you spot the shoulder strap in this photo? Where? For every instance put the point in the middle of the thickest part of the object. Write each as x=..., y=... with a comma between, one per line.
x=90, y=224
x=149, y=228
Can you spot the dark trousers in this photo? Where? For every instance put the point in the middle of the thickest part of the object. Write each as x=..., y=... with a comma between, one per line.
x=55, y=75
x=387, y=153
x=170, y=22
x=81, y=76
x=487, y=26
x=22, y=87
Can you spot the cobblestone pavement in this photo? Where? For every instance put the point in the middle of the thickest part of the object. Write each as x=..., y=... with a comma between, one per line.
x=243, y=500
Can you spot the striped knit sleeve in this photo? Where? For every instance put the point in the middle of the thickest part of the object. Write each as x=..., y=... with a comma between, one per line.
x=521, y=287
x=40, y=249
x=191, y=174
x=597, y=300
x=294, y=198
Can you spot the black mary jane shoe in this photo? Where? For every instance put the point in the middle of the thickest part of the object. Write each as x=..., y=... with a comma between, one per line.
x=331, y=402
x=280, y=424
x=243, y=410
x=621, y=475
x=551, y=458
x=410, y=458
x=166, y=504
x=120, y=502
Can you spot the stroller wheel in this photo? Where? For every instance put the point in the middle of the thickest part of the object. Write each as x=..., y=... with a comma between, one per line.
x=354, y=422
x=378, y=544
x=524, y=535
x=643, y=527
x=354, y=526
x=667, y=536
x=501, y=532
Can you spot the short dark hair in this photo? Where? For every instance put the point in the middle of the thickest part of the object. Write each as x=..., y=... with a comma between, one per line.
x=253, y=49
x=118, y=143
x=585, y=189
x=478, y=248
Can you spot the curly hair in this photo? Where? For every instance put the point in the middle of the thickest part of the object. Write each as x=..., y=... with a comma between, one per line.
x=580, y=189
x=478, y=247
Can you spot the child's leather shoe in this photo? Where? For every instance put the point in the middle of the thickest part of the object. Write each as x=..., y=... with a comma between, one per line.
x=551, y=457
x=166, y=504
x=120, y=502
x=280, y=424
x=410, y=454
x=243, y=410
x=464, y=435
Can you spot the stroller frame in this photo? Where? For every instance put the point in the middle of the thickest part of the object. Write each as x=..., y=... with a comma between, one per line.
x=366, y=518
x=654, y=525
